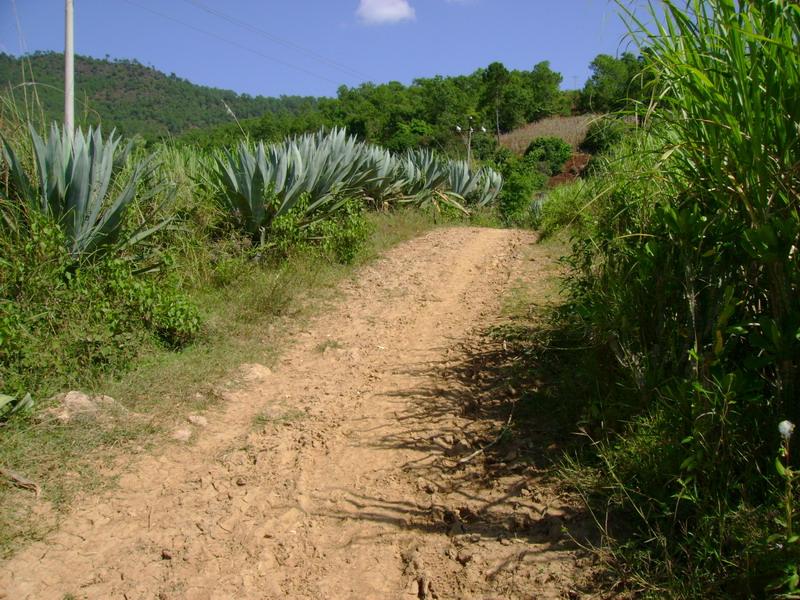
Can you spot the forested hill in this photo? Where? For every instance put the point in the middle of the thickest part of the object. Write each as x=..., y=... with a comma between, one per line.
x=136, y=98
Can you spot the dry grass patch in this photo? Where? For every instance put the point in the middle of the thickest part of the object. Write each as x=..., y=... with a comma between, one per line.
x=570, y=129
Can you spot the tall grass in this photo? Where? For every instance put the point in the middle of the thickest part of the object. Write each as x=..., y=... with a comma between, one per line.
x=685, y=275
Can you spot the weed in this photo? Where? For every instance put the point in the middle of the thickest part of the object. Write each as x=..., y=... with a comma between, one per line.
x=332, y=344
x=269, y=418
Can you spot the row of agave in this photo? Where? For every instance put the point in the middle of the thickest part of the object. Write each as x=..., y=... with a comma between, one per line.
x=85, y=182
x=318, y=171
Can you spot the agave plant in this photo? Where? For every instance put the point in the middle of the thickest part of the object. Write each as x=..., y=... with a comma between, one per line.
x=335, y=164
x=461, y=178
x=479, y=187
x=428, y=178
x=246, y=179
x=488, y=187
x=74, y=176
x=386, y=180
x=262, y=183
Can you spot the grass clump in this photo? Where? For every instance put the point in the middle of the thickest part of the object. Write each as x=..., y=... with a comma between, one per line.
x=604, y=133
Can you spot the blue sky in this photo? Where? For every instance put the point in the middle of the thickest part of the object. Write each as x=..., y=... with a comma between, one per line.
x=310, y=47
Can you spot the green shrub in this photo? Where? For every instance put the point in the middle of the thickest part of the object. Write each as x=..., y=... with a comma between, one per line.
x=553, y=152
x=346, y=234
x=603, y=134
x=64, y=322
x=175, y=320
x=517, y=205
x=521, y=180
x=339, y=235
x=563, y=207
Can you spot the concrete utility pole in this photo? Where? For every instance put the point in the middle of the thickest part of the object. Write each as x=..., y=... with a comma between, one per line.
x=469, y=131
x=69, y=72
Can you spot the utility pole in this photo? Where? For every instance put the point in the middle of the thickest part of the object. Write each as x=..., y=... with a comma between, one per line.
x=470, y=130
x=69, y=71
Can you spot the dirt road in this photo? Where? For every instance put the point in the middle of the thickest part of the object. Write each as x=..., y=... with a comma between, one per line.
x=336, y=475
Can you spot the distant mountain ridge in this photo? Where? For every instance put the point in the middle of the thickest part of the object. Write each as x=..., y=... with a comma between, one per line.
x=135, y=98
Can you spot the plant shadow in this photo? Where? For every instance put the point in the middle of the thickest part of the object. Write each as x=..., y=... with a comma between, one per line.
x=484, y=432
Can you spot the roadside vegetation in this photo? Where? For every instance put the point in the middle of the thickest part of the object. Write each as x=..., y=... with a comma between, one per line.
x=682, y=300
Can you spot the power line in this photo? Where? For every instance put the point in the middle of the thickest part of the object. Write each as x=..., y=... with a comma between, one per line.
x=278, y=40
x=232, y=43
x=23, y=46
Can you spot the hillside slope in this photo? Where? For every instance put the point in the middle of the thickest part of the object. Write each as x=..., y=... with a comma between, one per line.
x=136, y=98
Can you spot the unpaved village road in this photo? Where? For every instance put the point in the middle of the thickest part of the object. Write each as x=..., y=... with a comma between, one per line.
x=335, y=475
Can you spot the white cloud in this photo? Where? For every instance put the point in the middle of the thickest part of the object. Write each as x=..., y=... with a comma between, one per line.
x=379, y=12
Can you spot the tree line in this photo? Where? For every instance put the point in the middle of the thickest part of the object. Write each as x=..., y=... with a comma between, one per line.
x=137, y=99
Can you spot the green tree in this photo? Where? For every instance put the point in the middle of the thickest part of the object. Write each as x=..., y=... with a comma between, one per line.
x=546, y=97
x=495, y=80
x=614, y=83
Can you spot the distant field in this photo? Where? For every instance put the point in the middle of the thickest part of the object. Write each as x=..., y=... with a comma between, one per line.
x=570, y=129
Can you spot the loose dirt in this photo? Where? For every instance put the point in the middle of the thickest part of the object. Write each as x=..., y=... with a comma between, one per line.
x=354, y=469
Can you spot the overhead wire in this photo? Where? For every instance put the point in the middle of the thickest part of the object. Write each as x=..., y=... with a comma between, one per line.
x=232, y=43
x=23, y=46
x=278, y=40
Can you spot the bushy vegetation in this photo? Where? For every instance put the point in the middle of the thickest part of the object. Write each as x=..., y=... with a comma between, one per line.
x=65, y=322
x=525, y=178
x=550, y=152
x=604, y=134
x=564, y=208
x=73, y=305
x=684, y=281
x=617, y=83
x=521, y=181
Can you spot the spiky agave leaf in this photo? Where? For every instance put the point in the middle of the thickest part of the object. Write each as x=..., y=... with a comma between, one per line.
x=488, y=187
x=461, y=178
x=242, y=177
x=428, y=177
x=387, y=176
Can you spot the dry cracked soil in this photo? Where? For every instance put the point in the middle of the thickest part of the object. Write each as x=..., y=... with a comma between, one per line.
x=353, y=469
